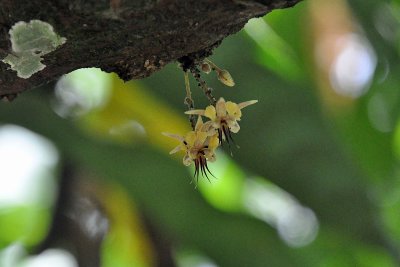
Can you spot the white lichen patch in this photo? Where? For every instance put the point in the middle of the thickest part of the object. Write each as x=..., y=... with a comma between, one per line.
x=30, y=42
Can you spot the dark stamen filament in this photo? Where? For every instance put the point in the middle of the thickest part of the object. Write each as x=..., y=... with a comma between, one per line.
x=200, y=166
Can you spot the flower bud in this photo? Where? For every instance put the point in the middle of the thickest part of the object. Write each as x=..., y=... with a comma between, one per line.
x=225, y=78
x=205, y=67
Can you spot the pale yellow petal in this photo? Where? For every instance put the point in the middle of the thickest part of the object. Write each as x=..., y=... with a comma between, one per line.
x=200, y=138
x=208, y=127
x=211, y=131
x=216, y=124
x=176, y=149
x=233, y=126
x=190, y=138
x=210, y=156
x=220, y=107
x=175, y=136
x=210, y=112
x=199, y=124
x=187, y=160
x=247, y=103
x=233, y=110
x=213, y=142
x=195, y=112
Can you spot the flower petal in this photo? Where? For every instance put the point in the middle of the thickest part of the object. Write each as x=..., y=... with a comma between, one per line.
x=200, y=138
x=176, y=149
x=247, y=103
x=233, y=126
x=220, y=107
x=209, y=128
x=187, y=160
x=213, y=142
x=233, y=110
x=210, y=113
x=195, y=112
x=175, y=136
x=216, y=125
x=199, y=123
x=210, y=156
x=190, y=138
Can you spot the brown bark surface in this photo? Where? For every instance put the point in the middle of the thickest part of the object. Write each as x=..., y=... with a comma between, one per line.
x=132, y=38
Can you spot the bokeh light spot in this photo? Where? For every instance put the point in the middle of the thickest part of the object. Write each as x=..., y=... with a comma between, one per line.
x=353, y=67
x=297, y=225
x=81, y=91
x=27, y=163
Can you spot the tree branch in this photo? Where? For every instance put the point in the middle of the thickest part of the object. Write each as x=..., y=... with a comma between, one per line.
x=132, y=38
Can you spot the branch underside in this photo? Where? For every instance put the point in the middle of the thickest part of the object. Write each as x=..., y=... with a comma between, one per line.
x=133, y=39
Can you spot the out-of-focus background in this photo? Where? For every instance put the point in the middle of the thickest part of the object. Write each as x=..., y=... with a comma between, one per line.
x=86, y=178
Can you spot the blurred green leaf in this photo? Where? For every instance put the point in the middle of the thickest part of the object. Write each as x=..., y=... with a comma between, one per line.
x=224, y=192
x=158, y=185
x=26, y=224
x=274, y=52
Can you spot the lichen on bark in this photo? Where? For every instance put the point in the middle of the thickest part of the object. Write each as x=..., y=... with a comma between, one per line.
x=30, y=41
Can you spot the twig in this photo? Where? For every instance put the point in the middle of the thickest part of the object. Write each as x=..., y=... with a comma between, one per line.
x=189, y=100
x=202, y=84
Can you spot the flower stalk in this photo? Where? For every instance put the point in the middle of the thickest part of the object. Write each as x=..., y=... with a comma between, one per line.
x=188, y=99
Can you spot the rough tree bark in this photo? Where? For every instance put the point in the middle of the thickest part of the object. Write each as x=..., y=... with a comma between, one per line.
x=131, y=38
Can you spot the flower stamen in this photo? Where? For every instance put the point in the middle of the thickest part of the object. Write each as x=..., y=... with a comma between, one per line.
x=200, y=165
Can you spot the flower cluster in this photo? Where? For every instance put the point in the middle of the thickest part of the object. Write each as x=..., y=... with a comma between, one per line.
x=223, y=117
x=199, y=145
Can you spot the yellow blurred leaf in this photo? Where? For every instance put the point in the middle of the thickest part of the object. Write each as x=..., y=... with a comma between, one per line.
x=133, y=115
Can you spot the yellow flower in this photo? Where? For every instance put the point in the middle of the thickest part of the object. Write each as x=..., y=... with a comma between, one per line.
x=223, y=117
x=199, y=147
